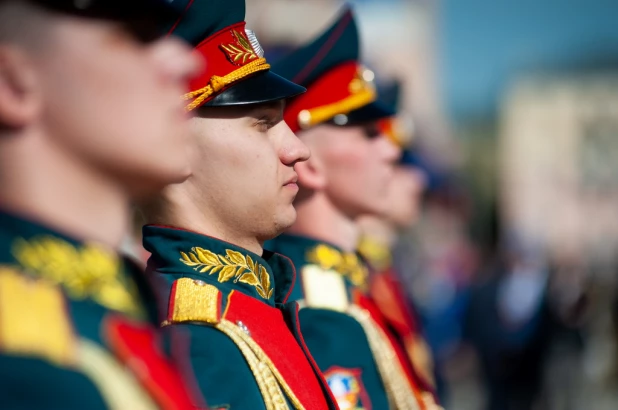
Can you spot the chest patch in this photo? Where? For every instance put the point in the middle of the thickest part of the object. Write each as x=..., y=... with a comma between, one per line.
x=348, y=389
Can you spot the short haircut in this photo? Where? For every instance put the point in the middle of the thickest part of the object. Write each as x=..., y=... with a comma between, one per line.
x=24, y=23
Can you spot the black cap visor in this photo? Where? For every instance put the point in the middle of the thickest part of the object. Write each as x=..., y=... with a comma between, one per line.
x=261, y=87
x=120, y=10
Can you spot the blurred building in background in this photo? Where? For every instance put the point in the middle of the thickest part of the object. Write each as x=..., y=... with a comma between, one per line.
x=559, y=174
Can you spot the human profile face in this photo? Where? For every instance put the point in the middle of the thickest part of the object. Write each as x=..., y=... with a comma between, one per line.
x=244, y=168
x=111, y=100
x=405, y=195
x=357, y=163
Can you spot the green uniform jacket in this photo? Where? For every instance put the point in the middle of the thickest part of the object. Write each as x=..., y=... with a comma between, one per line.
x=245, y=348
x=364, y=365
x=74, y=333
x=336, y=340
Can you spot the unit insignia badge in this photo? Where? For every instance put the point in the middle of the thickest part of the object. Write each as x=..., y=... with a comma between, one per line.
x=348, y=389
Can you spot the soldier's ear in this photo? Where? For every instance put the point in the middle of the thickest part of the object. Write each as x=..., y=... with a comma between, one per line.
x=311, y=173
x=19, y=93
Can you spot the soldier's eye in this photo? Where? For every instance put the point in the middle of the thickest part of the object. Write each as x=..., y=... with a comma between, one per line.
x=371, y=131
x=263, y=125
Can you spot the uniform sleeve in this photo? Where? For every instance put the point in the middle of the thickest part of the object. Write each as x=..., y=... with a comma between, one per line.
x=27, y=383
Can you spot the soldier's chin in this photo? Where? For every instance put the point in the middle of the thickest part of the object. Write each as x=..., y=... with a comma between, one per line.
x=284, y=220
x=142, y=189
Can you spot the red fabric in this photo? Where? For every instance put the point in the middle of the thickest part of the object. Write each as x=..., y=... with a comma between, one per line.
x=136, y=347
x=386, y=292
x=368, y=304
x=217, y=60
x=333, y=86
x=269, y=330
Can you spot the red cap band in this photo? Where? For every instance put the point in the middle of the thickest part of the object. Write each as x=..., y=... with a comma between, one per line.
x=342, y=89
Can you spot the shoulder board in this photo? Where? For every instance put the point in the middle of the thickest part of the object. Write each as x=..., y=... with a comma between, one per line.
x=34, y=319
x=324, y=289
x=193, y=301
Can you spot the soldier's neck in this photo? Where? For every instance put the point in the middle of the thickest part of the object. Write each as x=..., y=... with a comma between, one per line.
x=42, y=184
x=320, y=219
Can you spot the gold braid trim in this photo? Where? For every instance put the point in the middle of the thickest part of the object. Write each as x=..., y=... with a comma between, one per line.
x=118, y=387
x=400, y=393
x=266, y=374
x=314, y=116
x=217, y=83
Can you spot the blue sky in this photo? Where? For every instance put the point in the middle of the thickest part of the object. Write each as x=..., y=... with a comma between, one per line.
x=485, y=43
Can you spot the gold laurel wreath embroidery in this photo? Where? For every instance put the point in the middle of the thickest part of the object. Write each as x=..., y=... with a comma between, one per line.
x=87, y=271
x=347, y=264
x=234, y=265
x=240, y=51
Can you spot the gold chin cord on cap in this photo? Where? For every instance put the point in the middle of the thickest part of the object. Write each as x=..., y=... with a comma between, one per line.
x=217, y=83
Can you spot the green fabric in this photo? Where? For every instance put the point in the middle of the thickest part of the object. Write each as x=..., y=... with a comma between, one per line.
x=203, y=18
x=27, y=383
x=219, y=368
x=337, y=45
x=31, y=381
x=334, y=339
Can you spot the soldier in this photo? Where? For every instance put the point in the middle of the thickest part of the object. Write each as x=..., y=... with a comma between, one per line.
x=379, y=237
x=347, y=176
x=245, y=351
x=89, y=120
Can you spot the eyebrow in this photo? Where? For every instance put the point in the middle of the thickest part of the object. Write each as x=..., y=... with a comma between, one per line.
x=271, y=109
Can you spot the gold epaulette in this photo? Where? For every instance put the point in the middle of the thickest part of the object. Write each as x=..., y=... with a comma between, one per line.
x=193, y=301
x=34, y=319
x=346, y=264
x=324, y=289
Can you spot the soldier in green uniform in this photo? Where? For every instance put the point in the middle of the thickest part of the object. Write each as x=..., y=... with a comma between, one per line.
x=380, y=234
x=379, y=237
x=346, y=177
x=89, y=120
x=245, y=348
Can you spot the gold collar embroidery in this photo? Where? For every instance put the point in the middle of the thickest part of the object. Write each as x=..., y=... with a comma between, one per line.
x=378, y=255
x=347, y=264
x=87, y=271
x=233, y=265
